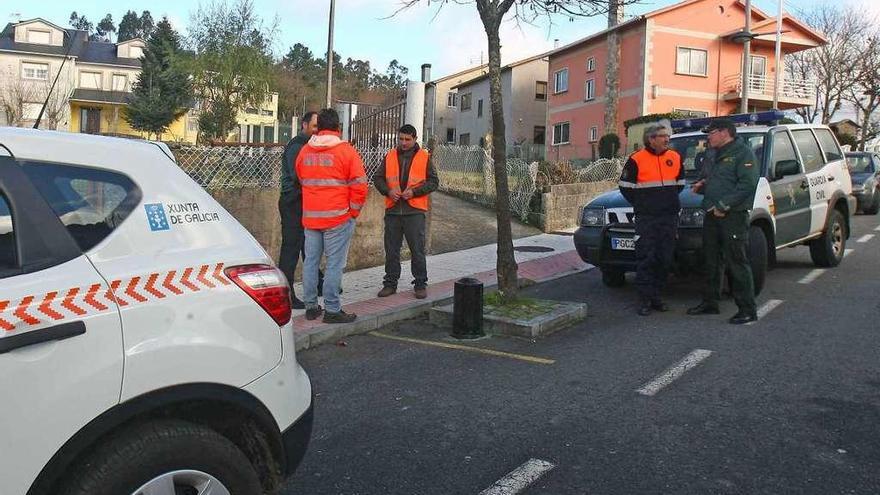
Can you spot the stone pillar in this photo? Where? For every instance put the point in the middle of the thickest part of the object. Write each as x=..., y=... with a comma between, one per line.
x=414, y=113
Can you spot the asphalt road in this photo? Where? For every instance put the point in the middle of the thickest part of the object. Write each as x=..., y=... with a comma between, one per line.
x=788, y=405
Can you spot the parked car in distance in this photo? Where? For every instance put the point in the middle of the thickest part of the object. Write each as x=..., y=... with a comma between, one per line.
x=864, y=168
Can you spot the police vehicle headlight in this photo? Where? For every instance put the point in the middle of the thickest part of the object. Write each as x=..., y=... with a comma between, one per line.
x=691, y=217
x=593, y=217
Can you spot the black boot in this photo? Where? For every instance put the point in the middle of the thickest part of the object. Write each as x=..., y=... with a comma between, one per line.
x=704, y=308
x=658, y=305
x=645, y=307
x=742, y=317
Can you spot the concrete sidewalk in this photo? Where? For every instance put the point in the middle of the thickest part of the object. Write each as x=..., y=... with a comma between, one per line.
x=361, y=286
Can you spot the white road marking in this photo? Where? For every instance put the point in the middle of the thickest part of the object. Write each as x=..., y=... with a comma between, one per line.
x=877, y=228
x=694, y=358
x=765, y=309
x=866, y=238
x=813, y=275
x=846, y=252
x=520, y=478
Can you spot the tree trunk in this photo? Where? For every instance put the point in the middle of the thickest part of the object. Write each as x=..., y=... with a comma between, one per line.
x=506, y=266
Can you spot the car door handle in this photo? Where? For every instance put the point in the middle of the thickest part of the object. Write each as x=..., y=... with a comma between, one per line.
x=58, y=332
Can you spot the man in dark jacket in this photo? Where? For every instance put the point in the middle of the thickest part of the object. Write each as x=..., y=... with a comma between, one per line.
x=650, y=181
x=406, y=178
x=731, y=179
x=290, y=205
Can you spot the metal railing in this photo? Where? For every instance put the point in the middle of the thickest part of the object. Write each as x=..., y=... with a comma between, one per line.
x=762, y=86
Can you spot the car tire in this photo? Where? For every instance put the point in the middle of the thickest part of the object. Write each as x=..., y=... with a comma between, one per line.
x=828, y=250
x=613, y=277
x=163, y=452
x=875, y=204
x=758, y=256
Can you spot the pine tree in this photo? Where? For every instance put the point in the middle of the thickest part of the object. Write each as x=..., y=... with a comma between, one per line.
x=163, y=91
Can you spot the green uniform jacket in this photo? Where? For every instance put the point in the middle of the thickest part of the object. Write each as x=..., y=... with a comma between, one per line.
x=731, y=178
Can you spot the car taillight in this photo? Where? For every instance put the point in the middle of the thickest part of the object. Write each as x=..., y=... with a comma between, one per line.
x=267, y=286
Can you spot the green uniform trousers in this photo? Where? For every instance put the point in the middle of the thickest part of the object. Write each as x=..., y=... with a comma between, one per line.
x=725, y=241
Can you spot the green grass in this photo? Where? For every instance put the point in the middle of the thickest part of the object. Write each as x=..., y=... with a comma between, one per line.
x=521, y=308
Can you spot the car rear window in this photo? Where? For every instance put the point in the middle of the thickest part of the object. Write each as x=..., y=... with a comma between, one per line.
x=90, y=202
x=809, y=148
x=7, y=239
x=829, y=145
x=859, y=163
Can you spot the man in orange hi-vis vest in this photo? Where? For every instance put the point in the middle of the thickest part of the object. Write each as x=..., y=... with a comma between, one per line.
x=334, y=189
x=406, y=178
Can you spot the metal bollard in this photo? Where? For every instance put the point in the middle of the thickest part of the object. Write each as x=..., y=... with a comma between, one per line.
x=467, y=309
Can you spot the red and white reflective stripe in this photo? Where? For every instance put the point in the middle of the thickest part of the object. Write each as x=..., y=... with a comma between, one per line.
x=76, y=302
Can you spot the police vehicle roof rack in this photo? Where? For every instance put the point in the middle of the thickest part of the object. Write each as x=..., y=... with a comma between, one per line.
x=759, y=118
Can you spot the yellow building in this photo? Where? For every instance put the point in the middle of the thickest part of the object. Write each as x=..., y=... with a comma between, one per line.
x=93, y=87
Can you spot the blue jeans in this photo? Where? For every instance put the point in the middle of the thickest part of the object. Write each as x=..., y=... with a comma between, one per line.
x=333, y=243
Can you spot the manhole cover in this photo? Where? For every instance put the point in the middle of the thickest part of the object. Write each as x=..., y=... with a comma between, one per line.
x=533, y=249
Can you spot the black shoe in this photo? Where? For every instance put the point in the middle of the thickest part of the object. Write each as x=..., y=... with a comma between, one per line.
x=314, y=313
x=296, y=303
x=340, y=317
x=645, y=308
x=658, y=305
x=742, y=317
x=704, y=308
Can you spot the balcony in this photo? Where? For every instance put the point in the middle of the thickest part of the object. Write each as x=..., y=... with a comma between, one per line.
x=793, y=93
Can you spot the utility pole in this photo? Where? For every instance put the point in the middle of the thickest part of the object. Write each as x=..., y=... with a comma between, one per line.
x=747, y=59
x=329, y=101
x=778, y=57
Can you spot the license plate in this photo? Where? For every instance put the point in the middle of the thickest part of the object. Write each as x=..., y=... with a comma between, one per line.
x=623, y=244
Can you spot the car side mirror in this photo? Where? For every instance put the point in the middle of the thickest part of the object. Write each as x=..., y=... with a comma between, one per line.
x=786, y=168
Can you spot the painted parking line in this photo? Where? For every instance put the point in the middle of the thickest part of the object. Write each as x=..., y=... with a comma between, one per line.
x=694, y=358
x=877, y=228
x=520, y=478
x=865, y=238
x=466, y=348
x=765, y=309
x=813, y=275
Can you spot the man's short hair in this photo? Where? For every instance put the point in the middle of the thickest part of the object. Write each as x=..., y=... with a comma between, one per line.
x=721, y=124
x=328, y=120
x=408, y=129
x=651, y=130
x=307, y=117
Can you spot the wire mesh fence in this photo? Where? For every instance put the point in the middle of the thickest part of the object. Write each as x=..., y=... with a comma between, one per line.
x=231, y=167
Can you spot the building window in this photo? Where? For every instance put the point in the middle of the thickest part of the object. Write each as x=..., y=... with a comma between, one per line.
x=691, y=62
x=591, y=64
x=560, y=81
x=451, y=99
x=590, y=90
x=252, y=111
x=39, y=37
x=541, y=90
x=465, y=102
x=120, y=82
x=539, y=134
x=30, y=70
x=30, y=111
x=90, y=80
x=560, y=133
x=192, y=123
x=594, y=134
x=450, y=135
x=691, y=114
x=464, y=139
x=479, y=108
x=267, y=113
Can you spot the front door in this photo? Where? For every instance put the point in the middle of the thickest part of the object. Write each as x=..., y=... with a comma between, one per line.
x=791, y=192
x=90, y=120
x=60, y=336
x=758, y=74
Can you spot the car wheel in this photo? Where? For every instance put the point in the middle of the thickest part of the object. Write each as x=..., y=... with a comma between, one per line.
x=613, y=277
x=165, y=457
x=828, y=250
x=758, y=256
x=875, y=204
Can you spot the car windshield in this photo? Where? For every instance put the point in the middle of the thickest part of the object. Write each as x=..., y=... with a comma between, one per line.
x=693, y=150
x=859, y=164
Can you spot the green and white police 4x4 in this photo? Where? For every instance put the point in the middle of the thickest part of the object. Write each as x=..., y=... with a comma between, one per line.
x=804, y=197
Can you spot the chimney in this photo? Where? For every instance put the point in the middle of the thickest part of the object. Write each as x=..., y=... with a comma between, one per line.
x=615, y=13
x=426, y=73
x=556, y=43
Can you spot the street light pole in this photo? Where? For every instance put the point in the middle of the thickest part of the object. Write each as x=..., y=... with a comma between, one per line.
x=747, y=62
x=330, y=56
x=778, y=57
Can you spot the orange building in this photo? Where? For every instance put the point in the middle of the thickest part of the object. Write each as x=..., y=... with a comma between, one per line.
x=678, y=58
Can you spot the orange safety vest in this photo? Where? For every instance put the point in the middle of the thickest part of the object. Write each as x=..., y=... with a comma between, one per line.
x=418, y=172
x=657, y=170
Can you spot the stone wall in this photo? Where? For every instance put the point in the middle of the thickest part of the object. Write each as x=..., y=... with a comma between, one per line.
x=257, y=210
x=561, y=207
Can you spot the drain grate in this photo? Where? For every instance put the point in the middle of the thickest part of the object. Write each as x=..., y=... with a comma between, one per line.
x=533, y=249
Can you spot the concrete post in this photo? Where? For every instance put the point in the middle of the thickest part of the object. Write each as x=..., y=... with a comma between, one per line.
x=414, y=112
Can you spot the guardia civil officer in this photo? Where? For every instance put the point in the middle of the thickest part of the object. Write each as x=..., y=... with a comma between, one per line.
x=731, y=178
x=651, y=180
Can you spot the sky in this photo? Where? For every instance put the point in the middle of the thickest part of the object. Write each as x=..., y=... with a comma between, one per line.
x=450, y=40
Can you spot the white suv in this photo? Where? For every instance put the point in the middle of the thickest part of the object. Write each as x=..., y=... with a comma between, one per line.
x=146, y=344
